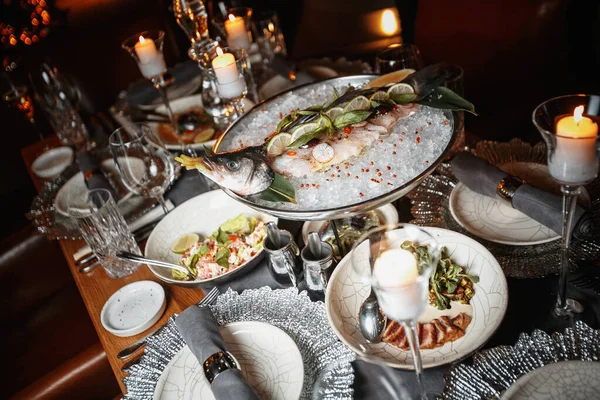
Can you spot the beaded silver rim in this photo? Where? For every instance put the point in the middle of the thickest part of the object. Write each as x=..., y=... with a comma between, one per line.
x=294, y=313
x=493, y=371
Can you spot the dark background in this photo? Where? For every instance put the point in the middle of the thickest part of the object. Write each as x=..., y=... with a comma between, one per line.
x=515, y=54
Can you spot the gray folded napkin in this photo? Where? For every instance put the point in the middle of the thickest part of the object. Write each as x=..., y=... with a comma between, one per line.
x=144, y=92
x=546, y=208
x=200, y=331
x=93, y=176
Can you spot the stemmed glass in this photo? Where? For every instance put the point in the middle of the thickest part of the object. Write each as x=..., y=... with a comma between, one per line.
x=569, y=126
x=397, y=261
x=144, y=164
x=398, y=56
x=146, y=48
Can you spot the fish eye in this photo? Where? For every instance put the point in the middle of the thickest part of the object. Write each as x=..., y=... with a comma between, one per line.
x=232, y=165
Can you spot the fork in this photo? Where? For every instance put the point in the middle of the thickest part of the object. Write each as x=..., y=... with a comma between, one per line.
x=129, y=350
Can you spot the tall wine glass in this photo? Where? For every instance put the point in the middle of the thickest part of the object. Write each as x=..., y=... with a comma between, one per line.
x=397, y=261
x=144, y=164
x=569, y=126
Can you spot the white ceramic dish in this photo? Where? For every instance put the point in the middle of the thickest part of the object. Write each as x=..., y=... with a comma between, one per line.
x=558, y=381
x=75, y=188
x=492, y=220
x=387, y=215
x=133, y=308
x=270, y=361
x=182, y=105
x=51, y=163
x=203, y=215
x=346, y=292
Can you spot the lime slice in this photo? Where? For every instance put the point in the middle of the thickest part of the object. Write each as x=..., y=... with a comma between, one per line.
x=302, y=130
x=184, y=242
x=358, y=103
x=323, y=152
x=334, y=112
x=379, y=95
x=401, y=88
x=204, y=135
x=278, y=144
x=392, y=77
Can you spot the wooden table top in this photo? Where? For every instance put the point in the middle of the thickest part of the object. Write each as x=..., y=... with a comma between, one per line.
x=96, y=286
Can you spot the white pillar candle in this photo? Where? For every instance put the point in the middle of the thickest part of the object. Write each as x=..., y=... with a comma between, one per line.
x=230, y=84
x=151, y=61
x=575, y=159
x=402, y=294
x=237, y=34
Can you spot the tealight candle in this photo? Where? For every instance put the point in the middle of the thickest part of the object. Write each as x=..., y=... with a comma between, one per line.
x=575, y=160
x=402, y=295
x=151, y=61
x=230, y=84
x=237, y=34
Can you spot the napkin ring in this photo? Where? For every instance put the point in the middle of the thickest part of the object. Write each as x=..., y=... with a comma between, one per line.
x=217, y=363
x=507, y=187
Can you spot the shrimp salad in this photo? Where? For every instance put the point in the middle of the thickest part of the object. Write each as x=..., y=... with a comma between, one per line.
x=233, y=244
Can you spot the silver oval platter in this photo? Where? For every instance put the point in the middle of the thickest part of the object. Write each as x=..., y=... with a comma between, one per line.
x=384, y=171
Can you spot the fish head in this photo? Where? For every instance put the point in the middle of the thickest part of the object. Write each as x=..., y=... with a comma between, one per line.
x=244, y=172
x=425, y=80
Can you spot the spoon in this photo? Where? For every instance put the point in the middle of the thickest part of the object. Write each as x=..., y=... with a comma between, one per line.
x=273, y=234
x=124, y=255
x=371, y=321
x=314, y=244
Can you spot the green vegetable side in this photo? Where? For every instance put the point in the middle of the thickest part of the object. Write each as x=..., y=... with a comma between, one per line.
x=448, y=282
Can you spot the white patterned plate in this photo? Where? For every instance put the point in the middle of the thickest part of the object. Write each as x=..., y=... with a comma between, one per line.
x=492, y=220
x=203, y=215
x=269, y=359
x=346, y=292
x=575, y=380
x=75, y=188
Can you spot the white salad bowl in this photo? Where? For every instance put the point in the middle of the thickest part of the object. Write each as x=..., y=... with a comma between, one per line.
x=202, y=215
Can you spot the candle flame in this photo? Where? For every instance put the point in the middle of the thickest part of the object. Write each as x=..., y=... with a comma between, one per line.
x=219, y=52
x=271, y=27
x=142, y=40
x=578, y=114
x=231, y=17
x=389, y=25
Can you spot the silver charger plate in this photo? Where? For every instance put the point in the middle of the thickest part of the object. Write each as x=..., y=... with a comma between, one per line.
x=294, y=313
x=493, y=371
x=254, y=127
x=55, y=226
x=430, y=207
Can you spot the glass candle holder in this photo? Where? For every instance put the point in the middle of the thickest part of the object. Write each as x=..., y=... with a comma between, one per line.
x=235, y=28
x=569, y=126
x=231, y=73
x=386, y=259
x=398, y=56
x=146, y=48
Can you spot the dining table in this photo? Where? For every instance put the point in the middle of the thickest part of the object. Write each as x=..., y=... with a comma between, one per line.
x=530, y=304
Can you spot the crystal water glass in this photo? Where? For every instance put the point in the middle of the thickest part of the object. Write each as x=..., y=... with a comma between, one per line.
x=398, y=56
x=59, y=99
x=104, y=229
x=569, y=126
x=145, y=166
x=267, y=34
x=383, y=258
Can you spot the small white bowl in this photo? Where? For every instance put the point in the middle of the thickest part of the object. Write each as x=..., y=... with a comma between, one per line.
x=52, y=162
x=133, y=308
